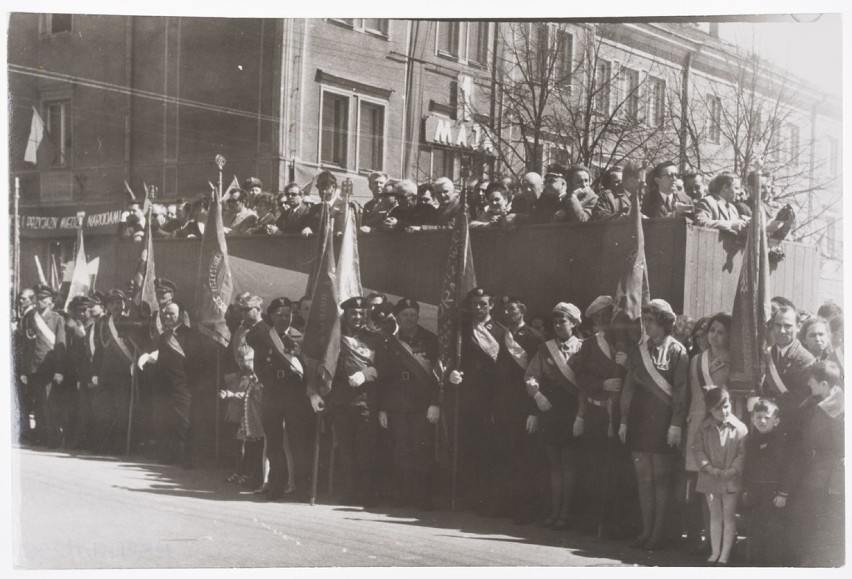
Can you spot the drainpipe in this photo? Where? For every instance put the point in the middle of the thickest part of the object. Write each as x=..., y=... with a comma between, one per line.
x=684, y=110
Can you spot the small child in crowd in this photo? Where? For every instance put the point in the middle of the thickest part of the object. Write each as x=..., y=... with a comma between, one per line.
x=719, y=449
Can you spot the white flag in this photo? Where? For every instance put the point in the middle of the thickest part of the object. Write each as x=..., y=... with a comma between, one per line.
x=36, y=135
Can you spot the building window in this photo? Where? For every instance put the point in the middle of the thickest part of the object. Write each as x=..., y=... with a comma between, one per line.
x=630, y=83
x=371, y=137
x=714, y=134
x=335, y=129
x=466, y=42
x=564, y=57
x=372, y=25
x=793, y=145
x=657, y=101
x=58, y=125
x=603, y=87
x=449, y=35
x=477, y=43
x=833, y=160
x=443, y=164
x=58, y=23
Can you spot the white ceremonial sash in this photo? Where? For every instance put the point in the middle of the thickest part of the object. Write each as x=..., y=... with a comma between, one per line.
x=238, y=340
x=655, y=375
x=486, y=341
x=517, y=352
x=705, y=368
x=113, y=332
x=92, y=338
x=279, y=345
x=561, y=362
x=604, y=345
x=158, y=323
x=43, y=330
x=776, y=378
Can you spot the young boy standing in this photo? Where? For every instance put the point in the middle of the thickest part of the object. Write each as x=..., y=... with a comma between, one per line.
x=764, y=467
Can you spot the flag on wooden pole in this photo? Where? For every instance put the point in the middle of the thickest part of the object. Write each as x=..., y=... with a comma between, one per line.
x=459, y=279
x=751, y=305
x=214, y=284
x=80, y=282
x=145, y=297
x=633, y=290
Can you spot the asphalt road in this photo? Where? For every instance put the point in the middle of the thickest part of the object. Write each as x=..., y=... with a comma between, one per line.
x=84, y=511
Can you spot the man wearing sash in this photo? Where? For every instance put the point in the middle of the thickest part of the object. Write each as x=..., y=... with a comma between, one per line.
x=77, y=368
x=652, y=416
x=409, y=404
x=552, y=384
x=85, y=393
x=514, y=414
x=600, y=369
x=179, y=365
x=43, y=362
x=244, y=218
x=786, y=377
x=115, y=351
x=483, y=342
x=285, y=405
x=352, y=402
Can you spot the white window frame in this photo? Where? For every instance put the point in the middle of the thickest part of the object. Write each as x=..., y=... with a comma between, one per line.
x=602, y=89
x=353, y=129
x=624, y=93
x=652, y=120
x=360, y=25
x=463, y=56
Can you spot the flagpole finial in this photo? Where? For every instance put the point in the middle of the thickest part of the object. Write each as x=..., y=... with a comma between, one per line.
x=220, y=161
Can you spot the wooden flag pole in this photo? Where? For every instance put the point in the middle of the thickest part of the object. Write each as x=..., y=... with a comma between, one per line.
x=220, y=162
x=16, y=255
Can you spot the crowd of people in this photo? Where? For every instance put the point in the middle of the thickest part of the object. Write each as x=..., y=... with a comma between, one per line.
x=583, y=420
x=563, y=194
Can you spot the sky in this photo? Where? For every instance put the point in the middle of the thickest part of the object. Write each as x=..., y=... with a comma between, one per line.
x=810, y=49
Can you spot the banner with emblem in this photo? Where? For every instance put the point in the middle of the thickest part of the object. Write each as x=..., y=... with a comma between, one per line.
x=751, y=308
x=459, y=279
x=633, y=290
x=214, y=284
x=80, y=280
x=145, y=297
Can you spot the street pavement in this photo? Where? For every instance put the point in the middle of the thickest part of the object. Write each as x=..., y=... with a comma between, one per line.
x=78, y=511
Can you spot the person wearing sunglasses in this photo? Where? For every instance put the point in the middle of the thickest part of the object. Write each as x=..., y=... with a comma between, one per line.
x=295, y=216
x=663, y=198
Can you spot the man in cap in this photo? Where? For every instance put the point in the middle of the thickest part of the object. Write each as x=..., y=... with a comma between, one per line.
x=331, y=196
x=84, y=436
x=78, y=368
x=409, y=403
x=178, y=364
x=279, y=368
x=43, y=366
x=600, y=368
x=483, y=342
x=244, y=217
x=253, y=187
x=295, y=215
x=116, y=350
x=352, y=402
x=579, y=199
x=514, y=413
x=613, y=202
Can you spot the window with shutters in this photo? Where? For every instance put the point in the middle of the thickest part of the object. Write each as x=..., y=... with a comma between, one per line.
x=602, y=86
x=58, y=125
x=656, y=101
x=630, y=92
x=714, y=131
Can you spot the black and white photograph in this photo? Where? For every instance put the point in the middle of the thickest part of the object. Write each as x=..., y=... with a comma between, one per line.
x=537, y=286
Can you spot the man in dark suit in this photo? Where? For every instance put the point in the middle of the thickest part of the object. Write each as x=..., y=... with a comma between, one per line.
x=26, y=302
x=613, y=201
x=534, y=204
x=663, y=199
x=717, y=210
x=43, y=367
x=296, y=215
x=787, y=378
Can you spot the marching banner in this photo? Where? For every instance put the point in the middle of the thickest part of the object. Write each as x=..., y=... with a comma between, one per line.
x=633, y=290
x=214, y=284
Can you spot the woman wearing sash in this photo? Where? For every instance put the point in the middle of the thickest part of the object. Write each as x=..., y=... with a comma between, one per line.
x=709, y=368
x=652, y=416
x=551, y=383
